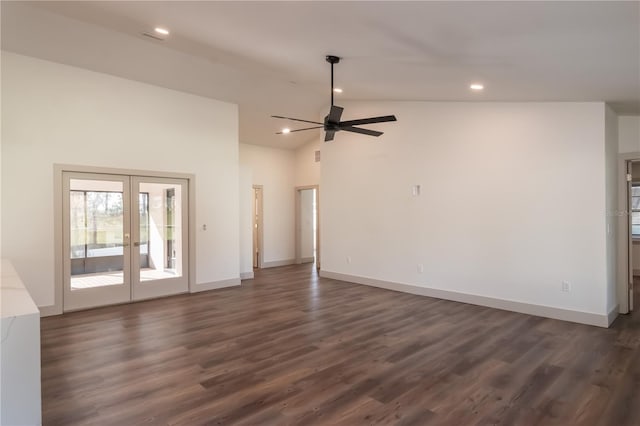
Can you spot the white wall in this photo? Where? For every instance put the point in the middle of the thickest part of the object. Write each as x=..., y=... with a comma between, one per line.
x=274, y=169
x=611, y=200
x=53, y=113
x=512, y=201
x=307, y=170
x=629, y=133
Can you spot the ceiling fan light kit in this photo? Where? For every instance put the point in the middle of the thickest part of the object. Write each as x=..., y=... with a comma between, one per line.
x=332, y=123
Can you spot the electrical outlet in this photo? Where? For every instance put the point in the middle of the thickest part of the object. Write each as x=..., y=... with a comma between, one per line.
x=566, y=286
x=348, y=259
x=420, y=268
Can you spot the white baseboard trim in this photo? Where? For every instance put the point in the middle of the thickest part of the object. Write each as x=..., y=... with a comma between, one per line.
x=307, y=260
x=589, y=318
x=50, y=310
x=613, y=314
x=246, y=275
x=276, y=263
x=215, y=285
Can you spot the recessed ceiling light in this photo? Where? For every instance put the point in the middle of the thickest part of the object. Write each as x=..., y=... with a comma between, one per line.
x=337, y=90
x=285, y=130
x=476, y=86
x=161, y=31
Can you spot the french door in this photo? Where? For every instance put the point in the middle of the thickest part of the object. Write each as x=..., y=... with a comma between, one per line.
x=125, y=238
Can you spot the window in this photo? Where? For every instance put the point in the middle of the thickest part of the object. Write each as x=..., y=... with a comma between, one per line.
x=170, y=196
x=635, y=210
x=143, y=202
x=96, y=223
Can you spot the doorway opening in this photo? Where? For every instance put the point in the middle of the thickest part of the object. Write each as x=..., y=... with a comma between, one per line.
x=256, y=212
x=307, y=225
x=628, y=230
x=633, y=170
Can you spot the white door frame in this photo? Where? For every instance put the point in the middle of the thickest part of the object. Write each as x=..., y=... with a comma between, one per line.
x=58, y=180
x=625, y=267
x=299, y=222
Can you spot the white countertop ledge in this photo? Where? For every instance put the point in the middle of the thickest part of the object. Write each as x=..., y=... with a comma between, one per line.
x=15, y=299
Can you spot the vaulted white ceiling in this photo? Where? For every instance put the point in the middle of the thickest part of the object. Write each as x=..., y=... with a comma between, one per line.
x=268, y=57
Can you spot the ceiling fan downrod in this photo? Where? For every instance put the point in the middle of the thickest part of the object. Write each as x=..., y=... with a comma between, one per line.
x=332, y=60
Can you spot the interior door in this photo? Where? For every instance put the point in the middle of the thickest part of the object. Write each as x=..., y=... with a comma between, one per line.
x=96, y=231
x=160, y=232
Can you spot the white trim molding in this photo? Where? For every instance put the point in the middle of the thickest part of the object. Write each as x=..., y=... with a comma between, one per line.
x=589, y=318
x=246, y=276
x=276, y=263
x=50, y=310
x=613, y=314
x=47, y=311
x=233, y=282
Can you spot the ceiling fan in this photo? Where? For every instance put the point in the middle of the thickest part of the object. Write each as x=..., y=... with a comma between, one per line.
x=332, y=123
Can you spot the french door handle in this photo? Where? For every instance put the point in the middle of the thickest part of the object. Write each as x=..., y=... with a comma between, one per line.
x=136, y=244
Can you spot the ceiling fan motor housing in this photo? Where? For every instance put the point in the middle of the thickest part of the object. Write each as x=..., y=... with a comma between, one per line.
x=328, y=125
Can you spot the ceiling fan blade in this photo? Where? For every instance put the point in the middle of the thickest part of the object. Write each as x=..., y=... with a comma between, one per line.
x=361, y=131
x=300, y=130
x=369, y=120
x=334, y=114
x=329, y=135
x=296, y=119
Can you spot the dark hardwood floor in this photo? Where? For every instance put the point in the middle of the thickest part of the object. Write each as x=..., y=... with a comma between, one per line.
x=290, y=348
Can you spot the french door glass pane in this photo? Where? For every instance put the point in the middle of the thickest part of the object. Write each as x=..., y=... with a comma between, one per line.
x=160, y=245
x=635, y=223
x=143, y=203
x=96, y=233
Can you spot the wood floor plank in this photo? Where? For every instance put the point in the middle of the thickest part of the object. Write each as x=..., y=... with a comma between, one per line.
x=290, y=348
